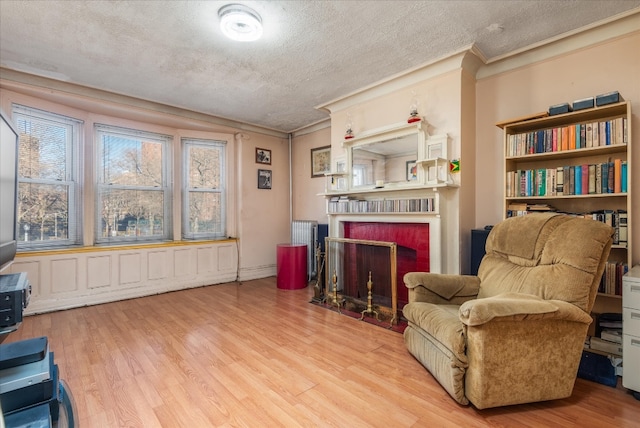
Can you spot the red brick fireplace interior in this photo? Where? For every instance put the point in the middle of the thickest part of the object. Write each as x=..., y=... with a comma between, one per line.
x=412, y=241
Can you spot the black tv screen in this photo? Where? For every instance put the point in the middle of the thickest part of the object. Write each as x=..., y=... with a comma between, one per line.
x=8, y=191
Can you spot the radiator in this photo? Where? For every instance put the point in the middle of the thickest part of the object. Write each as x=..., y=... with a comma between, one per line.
x=306, y=232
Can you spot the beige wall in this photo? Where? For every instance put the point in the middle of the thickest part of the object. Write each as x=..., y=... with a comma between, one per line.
x=307, y=205
x=263, y=215
x=609, y=66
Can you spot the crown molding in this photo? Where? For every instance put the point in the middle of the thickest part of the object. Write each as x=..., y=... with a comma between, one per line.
x=617, y=26
x=313, y=127
x=109, y=103
x=469, y=56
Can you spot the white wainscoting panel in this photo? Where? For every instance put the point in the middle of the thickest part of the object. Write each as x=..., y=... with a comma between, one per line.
x=182, y=265
x=98, y=271
x=67, y=279
x=206, y=260
x=226, y=257
x=157, y=264
x=130, y=268
x=64, y=275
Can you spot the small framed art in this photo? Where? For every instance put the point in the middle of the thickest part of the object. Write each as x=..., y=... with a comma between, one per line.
x=264, y=179
x=320, y=161
x=412, y=170
x=263, y=156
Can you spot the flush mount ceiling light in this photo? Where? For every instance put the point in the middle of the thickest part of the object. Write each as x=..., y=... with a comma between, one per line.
x=238, y=22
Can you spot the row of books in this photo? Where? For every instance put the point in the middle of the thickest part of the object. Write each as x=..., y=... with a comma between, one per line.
x=586, y=179
x=579, y=136
x=344, y=204
x=611, y=282
x=618, y=219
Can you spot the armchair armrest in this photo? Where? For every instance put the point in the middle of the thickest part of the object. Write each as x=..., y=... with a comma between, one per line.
x=441, y=288
x=518, y=307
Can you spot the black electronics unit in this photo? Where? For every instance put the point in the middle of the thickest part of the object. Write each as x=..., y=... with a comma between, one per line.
x=478, y=241
x=15, y=292
x=31, y=393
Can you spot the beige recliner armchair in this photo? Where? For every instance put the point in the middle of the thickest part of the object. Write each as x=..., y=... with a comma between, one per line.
x=514, y=333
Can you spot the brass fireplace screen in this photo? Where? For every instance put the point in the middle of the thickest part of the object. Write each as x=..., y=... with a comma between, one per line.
x=361, y=276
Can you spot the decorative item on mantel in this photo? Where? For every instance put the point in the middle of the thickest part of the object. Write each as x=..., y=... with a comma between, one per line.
x=413, y=110
x=349, y=133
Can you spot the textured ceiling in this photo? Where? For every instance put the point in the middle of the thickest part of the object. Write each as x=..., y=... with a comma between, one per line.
x=312, y=52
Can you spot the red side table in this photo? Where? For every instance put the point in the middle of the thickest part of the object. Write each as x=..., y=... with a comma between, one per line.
x=291, y=266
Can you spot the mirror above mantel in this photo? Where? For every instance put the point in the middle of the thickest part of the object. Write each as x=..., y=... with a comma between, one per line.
x=386, y=156
x=400, y=156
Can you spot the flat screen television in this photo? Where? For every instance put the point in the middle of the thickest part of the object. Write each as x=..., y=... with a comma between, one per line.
x=8, y=191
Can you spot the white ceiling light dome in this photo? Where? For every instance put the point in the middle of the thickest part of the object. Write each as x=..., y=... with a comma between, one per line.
x=239, y=22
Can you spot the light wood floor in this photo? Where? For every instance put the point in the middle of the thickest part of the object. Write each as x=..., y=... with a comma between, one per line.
x=254, y=356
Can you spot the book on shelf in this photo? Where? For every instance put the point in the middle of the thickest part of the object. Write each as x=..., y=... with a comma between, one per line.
x=522, y=208
x=577, y=180
x=612, y=173
x=571, y=173
x=592, y=178
x=611, y=283
x=540, y=207
x=623, y=228
x=583, y=135
x=559, y=181
x=612, y=335
x=617, y=183
x=588, y=135
x=605, y=346
x=602, y=133
x=610, y=320
x=584, y=169
x=565, y=138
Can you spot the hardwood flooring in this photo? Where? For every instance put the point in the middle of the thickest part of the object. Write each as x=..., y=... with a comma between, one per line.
x=251, y=355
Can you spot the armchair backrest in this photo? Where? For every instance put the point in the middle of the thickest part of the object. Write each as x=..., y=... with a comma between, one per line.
x=550, y=255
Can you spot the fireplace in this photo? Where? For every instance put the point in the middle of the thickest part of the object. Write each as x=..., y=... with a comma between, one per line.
x=412, y=255
x=365, y=268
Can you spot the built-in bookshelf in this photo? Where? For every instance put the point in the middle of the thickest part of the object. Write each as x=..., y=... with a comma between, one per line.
x=578, y=163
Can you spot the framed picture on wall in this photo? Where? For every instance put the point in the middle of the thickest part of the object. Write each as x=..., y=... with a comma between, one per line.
x=412, y=170
x=263, y=156
x=320, y=161
x=264, y=179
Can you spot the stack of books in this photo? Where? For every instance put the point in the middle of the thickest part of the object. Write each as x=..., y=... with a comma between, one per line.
x=610, y=336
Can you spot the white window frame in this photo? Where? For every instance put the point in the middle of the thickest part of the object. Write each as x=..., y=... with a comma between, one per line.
x=71, y=179
x=102, y=130
x=188, y=143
